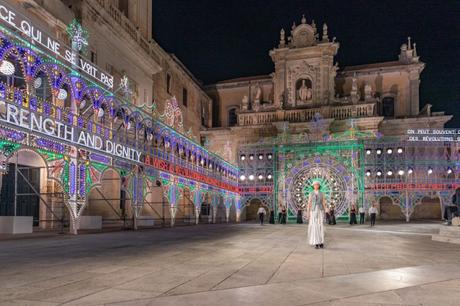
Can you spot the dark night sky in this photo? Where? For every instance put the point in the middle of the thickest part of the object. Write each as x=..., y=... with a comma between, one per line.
x=218, y=39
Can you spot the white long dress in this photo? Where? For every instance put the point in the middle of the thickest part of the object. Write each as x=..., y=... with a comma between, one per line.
x=316, y=225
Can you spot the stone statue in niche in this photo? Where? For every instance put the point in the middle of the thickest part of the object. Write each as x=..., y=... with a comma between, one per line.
x=258, y=95
x=367, y=91
x=245, y=103
x=257, y=98
x=355, y=97
x=354, y=84
x=304, y=91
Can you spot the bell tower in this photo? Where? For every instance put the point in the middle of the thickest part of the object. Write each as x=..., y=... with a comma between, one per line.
x=304, y=67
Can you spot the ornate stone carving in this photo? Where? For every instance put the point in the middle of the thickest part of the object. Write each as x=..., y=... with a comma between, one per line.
x=302, y=71
x=303, y=35
x=245, y=103
x=257, y=94
x=367, y=91
x=304, y=93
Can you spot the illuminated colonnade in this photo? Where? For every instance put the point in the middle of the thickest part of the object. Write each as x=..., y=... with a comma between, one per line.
x=356, y=170
x=81, y=130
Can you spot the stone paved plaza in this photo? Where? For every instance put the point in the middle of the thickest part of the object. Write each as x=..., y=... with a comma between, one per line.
x=246, y=264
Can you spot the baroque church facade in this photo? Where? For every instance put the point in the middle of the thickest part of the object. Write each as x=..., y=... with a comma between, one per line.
x=380, y=97
x=309, y=102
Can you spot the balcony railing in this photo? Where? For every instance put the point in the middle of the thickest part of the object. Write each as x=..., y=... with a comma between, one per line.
x=305, y=115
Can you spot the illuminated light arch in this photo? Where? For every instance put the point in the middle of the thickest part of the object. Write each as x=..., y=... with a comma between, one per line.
x=336, y=183
x=73, y=213
x=406, y=209
x=80, y=89
x=98, y=183
x=266, y=200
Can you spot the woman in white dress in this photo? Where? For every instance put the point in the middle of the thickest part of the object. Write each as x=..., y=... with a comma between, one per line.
x=315, y=212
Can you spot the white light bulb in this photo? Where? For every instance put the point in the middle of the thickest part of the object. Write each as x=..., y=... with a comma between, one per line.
x=251, y=177
x=62, y=94
x=242, y=177
x=7, y=68
x=83, y=104
x=38, y=83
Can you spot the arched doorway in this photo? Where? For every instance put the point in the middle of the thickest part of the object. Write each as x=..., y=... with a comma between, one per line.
x=250, y=210
x=389, y=211
x=155, y=205
x=339, y=182
x=428, y=208
x=185, y=213
x=26, y=190
x=206, y=209
x=221, y=214
x=109, y=202
x=232, y=214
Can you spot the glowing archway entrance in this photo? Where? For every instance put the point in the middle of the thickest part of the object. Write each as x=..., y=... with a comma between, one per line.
x=336, y=183
x=338, y=166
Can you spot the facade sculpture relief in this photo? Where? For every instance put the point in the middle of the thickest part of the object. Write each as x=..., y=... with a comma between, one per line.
x=245, y=103
x=304, y=93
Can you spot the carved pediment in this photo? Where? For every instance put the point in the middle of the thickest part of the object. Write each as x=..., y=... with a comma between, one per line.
x=303, y=36
x=302, y=68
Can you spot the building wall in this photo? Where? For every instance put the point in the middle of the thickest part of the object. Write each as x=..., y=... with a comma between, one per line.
x=229, y=94
x=121, y=43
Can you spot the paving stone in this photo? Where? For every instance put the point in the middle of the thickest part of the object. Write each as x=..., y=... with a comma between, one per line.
x=245, y=264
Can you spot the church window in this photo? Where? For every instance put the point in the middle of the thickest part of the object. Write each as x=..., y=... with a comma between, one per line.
x=184, y=97
x=388, y=107
x=232, y=117
x=168, y=83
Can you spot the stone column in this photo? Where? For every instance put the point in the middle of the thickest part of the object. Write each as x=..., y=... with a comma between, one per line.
x=173, y=211
x=238, y=215
x=74, y=225
x=214, y=214
x=73, y=187
x=227, y=214
x=197, y=214
x=407, y=205
x=414, y=85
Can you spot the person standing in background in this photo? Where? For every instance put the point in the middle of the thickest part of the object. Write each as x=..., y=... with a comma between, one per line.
x=271, y=219
x=332, y=214
x=299, y=217
x=283, y=215
x=261, y=213
x=362, y=213
x=353, y=215
x=373, y=213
